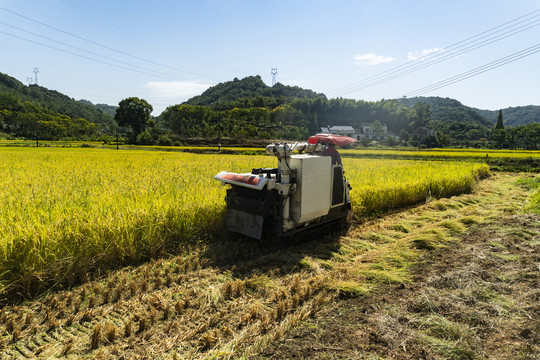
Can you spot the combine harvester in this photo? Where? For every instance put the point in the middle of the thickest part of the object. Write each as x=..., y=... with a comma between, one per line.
x=305, y=190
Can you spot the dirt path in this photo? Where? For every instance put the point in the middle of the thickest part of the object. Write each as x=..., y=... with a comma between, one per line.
x=455, y=278
x=476, y=298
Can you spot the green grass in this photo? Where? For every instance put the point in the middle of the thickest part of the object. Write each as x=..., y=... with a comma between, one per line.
x=464, y=154
x=532, y=184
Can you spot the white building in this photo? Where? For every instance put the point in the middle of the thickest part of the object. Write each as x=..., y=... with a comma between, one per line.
x=365, y=131
x=339, y=130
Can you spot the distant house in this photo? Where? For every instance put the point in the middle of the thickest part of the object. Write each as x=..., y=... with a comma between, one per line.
x=366, y=131
x=339, y=130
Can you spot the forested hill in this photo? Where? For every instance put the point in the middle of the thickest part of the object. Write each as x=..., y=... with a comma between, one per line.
x=514, y=116
x=250, y=109
x=107, y=109
x=251, y=91
x=54, y=101
x=450, y=110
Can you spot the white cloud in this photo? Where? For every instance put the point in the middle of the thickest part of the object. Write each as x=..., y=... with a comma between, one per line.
x=175, y=90
x=372, y=59
x=415, y=55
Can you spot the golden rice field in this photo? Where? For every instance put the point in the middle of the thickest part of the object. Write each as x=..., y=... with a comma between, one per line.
x=68, y=212
x=371, y=152
x=470, y=154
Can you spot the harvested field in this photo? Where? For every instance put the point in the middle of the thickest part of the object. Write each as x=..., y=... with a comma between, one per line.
x=454, y=278
x=475, y=298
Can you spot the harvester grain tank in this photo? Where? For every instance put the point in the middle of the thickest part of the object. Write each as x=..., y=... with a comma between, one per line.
x=304, y=191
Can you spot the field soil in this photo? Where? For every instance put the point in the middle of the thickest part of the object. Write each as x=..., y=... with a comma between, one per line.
x=478, y=297
x=454, y=278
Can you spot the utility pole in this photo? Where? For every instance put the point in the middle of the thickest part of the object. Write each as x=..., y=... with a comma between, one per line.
x=36, y=134
x=218, y=107
x=117, y=137
x=219, y=132
x=36, y=71
x=274, y=76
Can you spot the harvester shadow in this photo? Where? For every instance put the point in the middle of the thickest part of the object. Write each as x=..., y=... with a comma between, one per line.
x=242, y=256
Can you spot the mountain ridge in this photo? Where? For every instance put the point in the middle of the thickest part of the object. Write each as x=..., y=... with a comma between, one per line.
x=251, y=91
x=443, y=109
x=54, y=101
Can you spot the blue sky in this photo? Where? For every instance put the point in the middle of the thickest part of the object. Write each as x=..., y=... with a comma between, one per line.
x=168, y=51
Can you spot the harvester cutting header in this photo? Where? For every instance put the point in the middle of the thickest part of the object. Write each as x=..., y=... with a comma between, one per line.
x=306, y=189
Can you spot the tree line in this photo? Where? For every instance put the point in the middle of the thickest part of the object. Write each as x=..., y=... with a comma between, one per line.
x=25, y=119
x=249, y=109
x=520, y=137
x=296, y=120
x=55, y=102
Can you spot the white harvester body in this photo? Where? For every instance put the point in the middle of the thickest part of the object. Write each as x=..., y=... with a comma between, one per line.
x=305, y=190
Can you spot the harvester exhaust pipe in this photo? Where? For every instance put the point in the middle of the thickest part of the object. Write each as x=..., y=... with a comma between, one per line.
x=286, y=180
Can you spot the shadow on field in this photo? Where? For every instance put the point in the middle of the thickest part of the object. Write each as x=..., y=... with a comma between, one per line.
x=243, y=256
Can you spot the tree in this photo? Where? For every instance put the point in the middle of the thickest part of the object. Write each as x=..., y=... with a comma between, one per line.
x=133, y=112
x=10, y=101
x=499, y=137
x=144, y=138
x=378, y=129
x=365, y=141
x=431, y=141
x=420, y=115
x=415, y=140
x=444, y=139
x=499, y=134
x=404, y=136
x=499, y=125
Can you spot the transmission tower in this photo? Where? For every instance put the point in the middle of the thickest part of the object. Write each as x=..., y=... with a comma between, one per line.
x=36, y=70
x=29, y=79
x=274, y=76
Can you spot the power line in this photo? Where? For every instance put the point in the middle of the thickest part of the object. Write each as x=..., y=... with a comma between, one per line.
x=450, y=55
x=477, y=71
x=100, y=21
x=93, y=53
x=446, y=53
x=415, y=66
x=134, y=36
x=79, y=55
x=413, y=63
x=101, y=45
